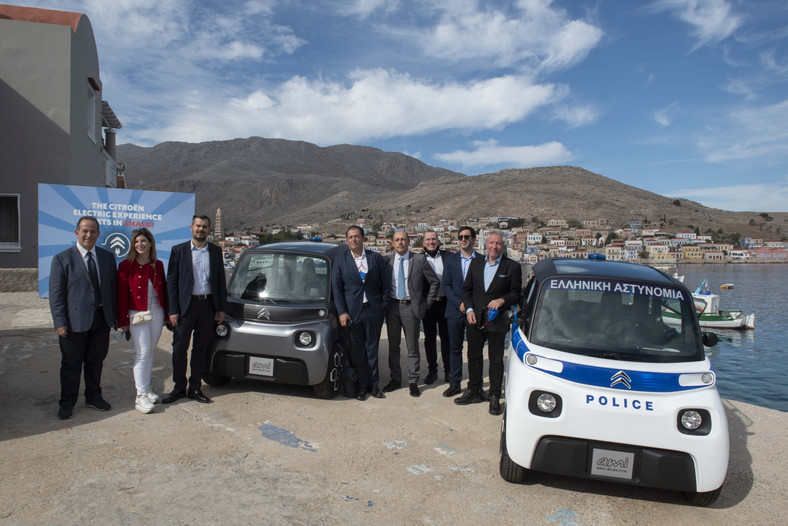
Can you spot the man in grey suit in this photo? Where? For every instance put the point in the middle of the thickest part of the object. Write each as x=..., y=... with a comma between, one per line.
x=82, y=301
x=414, y=287
x=197, y=293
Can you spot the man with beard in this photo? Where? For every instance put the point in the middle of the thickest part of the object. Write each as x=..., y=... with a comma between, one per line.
x=197, y=302
x=454, y=271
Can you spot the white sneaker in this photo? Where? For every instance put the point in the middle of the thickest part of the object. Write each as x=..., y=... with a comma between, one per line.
x=143, y=404
x=153, y=397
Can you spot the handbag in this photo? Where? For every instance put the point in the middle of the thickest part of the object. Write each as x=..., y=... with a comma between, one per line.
x=142, y=317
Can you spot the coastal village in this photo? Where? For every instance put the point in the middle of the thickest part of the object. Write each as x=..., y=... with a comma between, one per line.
x=633, y=242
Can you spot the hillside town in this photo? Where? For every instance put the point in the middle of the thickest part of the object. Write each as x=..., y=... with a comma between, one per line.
x=633, y=242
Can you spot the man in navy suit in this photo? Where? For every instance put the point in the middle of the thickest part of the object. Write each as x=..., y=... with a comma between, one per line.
x=82, y=301
x=491, y=287
x=197, y=294
x=454, y=272
x=361, y=294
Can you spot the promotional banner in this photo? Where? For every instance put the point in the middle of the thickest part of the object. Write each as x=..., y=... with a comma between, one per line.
x=166, y=214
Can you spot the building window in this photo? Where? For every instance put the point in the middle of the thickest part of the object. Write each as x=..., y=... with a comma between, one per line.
x=91, y=114
x=9, y=223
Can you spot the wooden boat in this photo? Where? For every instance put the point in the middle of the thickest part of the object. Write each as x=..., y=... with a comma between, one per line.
x=710, y=315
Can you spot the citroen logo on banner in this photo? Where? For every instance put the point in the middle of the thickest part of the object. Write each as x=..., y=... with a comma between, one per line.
x=118, y=243
x=263, y=314
x=620, y=378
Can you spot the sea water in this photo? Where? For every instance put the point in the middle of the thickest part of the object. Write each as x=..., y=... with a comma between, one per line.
x=751, y=366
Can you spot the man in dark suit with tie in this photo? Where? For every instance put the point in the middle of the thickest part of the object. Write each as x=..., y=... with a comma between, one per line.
x=361, y=293
x=197, y=293
x=414, y=287
x=454, y=272
x=82, y=301
x=492, y=286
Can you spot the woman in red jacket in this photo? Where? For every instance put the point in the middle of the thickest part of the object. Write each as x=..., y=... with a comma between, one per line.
x=142, y=288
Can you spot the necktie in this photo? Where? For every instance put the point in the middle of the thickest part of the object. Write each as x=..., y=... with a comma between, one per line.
x=401, y=279
x=94, y=280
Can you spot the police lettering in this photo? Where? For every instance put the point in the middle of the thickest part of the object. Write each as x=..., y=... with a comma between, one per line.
x=620, y=402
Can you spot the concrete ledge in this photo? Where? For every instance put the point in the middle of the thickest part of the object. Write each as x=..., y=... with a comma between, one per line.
x=18, y=280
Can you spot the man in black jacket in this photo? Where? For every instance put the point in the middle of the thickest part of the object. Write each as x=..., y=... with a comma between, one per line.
x=491, y=287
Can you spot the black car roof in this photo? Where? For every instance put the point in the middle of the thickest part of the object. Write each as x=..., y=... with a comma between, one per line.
x=599, y=268
x=312, y=247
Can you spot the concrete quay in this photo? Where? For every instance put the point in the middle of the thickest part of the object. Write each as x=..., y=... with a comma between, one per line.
x=275, y=454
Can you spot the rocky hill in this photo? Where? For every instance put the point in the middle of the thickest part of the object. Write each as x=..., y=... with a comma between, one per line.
x=259, y=182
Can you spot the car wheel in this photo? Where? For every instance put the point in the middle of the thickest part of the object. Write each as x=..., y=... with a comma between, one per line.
x=215, y=380
x=510, y=471
x=330, y=385
x=702, y=498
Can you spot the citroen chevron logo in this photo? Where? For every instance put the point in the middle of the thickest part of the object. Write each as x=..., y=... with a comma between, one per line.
x=118, y=244
x=621, y=378
x=263, y=314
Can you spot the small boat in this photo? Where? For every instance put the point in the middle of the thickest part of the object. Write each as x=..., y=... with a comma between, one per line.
x=710, y=316
x=726, y=286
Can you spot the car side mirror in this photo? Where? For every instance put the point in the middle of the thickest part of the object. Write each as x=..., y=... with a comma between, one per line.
x=710, y=339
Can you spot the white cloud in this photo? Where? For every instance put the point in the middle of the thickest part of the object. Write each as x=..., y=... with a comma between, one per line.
x=486, y=153
x=663, y=116
x=712, y=20
x=576, y=116
x=373, y=104
x=769, y=197
x=535, y=37
x=750, y=133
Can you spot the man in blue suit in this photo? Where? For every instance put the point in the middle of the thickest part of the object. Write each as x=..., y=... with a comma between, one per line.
x=82, y=301
x=197, y=293
x=454, y=271
x=361, y=294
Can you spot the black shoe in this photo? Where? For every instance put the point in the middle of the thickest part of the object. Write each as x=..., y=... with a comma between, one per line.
x=469, y=397
x=197, y=395
x=377, y=393
x=392, y=386
x=484, y=396
x=431, y=377
x=414, y=390
x=65, y=411
x=361, y=395
x=175, y=394
x=99, y=404
x=495, y=405
x=453, y=390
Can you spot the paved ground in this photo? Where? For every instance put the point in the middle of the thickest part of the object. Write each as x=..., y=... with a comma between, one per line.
x=275, y=454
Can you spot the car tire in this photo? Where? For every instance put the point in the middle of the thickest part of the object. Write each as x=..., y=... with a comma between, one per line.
x=702, y=498
x=510, y=471
x=330, y=385
x=215, y=380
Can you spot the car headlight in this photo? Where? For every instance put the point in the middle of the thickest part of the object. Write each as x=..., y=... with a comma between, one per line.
x=542, y=403
x=546, y=402
x=222, y=330
x=694, y=422
x=691, y=420
x=305, y=338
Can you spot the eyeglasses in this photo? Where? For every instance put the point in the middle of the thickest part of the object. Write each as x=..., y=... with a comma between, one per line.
x=464, y=236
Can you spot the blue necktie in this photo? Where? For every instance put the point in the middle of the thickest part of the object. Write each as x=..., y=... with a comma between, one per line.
x=401, y=279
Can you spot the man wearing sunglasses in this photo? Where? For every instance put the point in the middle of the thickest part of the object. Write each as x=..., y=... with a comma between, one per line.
x=454, y=272
x=491, y=287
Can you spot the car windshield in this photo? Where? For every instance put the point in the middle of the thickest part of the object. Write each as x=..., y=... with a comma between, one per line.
x=280, y=278
x=617, y=320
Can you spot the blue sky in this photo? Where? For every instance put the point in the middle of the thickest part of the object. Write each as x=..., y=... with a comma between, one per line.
x=685, y=98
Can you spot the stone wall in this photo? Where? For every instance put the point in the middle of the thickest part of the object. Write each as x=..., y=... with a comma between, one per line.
x=18, y=280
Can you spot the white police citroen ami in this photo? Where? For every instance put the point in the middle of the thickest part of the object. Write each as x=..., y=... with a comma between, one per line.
x=598, y=386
